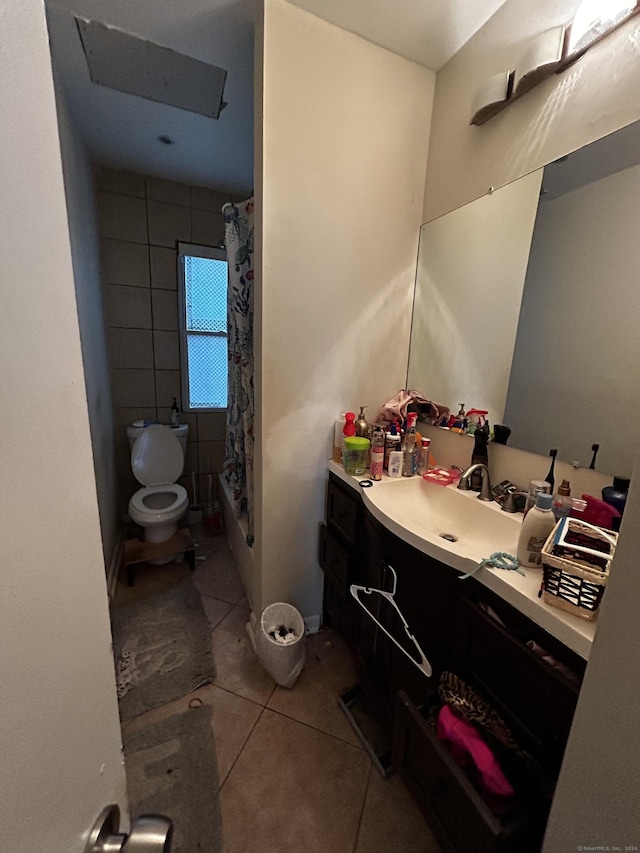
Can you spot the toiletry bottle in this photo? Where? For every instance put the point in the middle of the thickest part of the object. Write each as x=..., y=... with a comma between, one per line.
x=396, y=458
x=362, y=424
x=409, y=447
x=476, y=418
x=537, y=525
x=501, y=433
x=175, y=413
x=356, y=454
x=535, y=486
x=423, y=458
x=616, y=495
x=479, y=455
x=561, y=504
x=392, y=442
x=348, y=430
x=338, y=438
x=377, y=453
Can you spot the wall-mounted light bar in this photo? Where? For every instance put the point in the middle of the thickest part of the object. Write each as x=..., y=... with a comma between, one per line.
x=550, y=53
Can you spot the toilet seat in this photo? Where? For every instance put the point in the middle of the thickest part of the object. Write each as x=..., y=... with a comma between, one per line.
x=156, y=457
x=142, y=501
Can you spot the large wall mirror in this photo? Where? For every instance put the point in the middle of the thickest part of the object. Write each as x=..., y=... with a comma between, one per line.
x=528, y=305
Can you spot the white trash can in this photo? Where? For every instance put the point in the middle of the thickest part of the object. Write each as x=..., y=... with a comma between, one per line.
x=277, y=638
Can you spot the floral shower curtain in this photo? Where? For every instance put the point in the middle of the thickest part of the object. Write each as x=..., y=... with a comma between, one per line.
x=238, y=466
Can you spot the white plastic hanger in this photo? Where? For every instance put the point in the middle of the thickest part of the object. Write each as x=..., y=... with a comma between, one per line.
x=423, y=665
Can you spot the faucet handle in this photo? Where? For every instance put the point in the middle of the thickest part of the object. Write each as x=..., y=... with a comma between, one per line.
x=510, y=502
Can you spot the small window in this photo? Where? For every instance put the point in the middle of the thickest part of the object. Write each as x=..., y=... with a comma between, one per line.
x=202, y=299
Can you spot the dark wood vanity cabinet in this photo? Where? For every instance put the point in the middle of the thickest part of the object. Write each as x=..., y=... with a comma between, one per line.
x=463, y=628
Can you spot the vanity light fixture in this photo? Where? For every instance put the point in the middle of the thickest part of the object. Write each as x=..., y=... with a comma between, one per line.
x=551, y=52
x=593, y=21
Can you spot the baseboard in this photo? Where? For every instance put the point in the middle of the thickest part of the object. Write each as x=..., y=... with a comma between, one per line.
x=113, y=568
x=312, y=623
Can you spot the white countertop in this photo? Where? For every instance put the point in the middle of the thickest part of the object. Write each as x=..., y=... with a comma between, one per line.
x=417, y=511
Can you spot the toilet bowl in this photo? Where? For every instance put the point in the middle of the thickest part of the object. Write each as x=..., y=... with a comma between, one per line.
x=156, y=461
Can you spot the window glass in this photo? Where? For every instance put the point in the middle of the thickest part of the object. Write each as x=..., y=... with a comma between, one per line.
x=203, y=327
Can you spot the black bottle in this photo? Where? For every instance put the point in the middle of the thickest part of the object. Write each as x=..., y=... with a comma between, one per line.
x=550, y=478
x=480, y=455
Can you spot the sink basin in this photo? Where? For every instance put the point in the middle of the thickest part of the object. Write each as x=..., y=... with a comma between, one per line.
x=420, y=513
x=443, y=521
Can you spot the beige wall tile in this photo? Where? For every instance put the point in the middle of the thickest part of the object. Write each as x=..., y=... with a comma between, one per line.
x=190, y=419
x=164, y=270
x=191, y=458
x=165, y=310
x=203, y=481
x=122, y=217
x=167, y=387
x=132, y=388
x=212, y=426
x=128, y=307
x=205, y=199
x=168, y=223
x=166, y=351
x=131, y=348
x=116, y=181
x=125, y=263
x=168, y=191
x=207, y=227
x=210, y=456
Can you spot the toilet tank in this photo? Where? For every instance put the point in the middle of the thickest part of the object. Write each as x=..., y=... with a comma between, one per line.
x=181, y=432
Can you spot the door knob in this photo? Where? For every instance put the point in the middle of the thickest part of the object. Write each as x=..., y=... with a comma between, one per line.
x=149, y=834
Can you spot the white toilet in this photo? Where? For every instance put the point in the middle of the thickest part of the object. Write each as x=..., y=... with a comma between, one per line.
x=157, y=459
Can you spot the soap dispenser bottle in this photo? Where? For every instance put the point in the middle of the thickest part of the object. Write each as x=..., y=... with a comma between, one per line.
x=561, y=505
x=175, y=413
x=362, y=424
x=480, y=455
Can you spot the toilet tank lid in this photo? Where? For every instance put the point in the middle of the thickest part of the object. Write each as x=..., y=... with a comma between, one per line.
x=136, y=428
x=156, y=456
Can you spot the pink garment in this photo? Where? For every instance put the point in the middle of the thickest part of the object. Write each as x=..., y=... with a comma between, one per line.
x=410, y=400
x=468, y=749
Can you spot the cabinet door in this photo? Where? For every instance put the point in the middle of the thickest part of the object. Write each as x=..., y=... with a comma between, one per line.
x=343, y=509
x=429, y=595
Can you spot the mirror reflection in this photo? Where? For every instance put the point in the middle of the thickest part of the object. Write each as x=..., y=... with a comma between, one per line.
x=538, y=323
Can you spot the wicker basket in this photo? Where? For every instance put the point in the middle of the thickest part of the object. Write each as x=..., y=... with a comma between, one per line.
x=575, y=559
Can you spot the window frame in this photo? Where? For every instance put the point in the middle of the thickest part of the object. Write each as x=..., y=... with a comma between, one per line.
x=194, y=250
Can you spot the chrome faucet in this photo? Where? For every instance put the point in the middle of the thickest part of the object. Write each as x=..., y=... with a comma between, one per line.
x=485, y=491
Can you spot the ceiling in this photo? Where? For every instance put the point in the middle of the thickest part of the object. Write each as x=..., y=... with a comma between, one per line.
x=121, y=130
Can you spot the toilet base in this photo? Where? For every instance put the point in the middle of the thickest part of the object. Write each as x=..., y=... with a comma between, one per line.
x=160, y=533
x=136, y=551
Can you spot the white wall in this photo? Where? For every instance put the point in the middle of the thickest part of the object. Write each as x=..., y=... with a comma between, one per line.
x=83, y=233
x=343, y=158
x=596, y=797
x=584, y=262
x=466, y=307
x=595, y=96
x=596, y=802
x=59, y=727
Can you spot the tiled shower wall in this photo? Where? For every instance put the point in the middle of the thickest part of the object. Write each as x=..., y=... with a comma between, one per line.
x=141, y=220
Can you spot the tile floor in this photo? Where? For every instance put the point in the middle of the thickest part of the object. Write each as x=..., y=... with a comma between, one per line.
x=293, y=776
